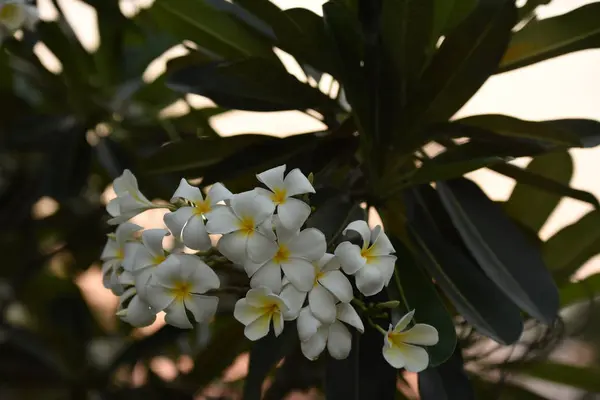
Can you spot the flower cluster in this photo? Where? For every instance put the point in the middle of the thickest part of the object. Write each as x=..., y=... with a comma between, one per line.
x=291, y=276
x=15, y=14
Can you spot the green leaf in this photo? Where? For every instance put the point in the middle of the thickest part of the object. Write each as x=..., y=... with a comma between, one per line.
x=448, y=381
x=264, y=355
x=572, y=246
x=210, y=28
x=460, y=11
x=552, y=37
x=461, y=65
x=532, y=205
x=500, y=248
x=585, y=378
x=416, y=290
x=476, y=298
x=549, y=185
x=584, y=290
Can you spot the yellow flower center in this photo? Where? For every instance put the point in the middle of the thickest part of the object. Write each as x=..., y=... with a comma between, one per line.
x=181, y=290
x=271, y=308
x=278, y=196
x=120, y=254
x=282, y=255
x=158, y=259
x=367, y=254
x=202, y=207
x=318, y=274
x=246, y=225
x=9, y=12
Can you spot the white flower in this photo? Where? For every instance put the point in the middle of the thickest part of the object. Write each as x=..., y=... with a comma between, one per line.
x=315, y=336
x=187, y=223
x=118, y=252
x=129, y=201
x=257, y=310
x=148, y=258
x=138, y=313
x=246, y=227
x=330, y=285
x=372, y=264
x=292, y=212
x=179, y=285
x=17, y=13
x=398, y=349
x=294, y=255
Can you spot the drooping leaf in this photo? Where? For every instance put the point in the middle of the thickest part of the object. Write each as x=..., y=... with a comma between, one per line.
x=448, y=381
x=500, y=248
x=586, y=289
x=552, y=37
x=243, y=15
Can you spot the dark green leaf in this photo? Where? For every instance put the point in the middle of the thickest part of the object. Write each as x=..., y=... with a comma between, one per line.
x=585, y=378
x=529, y=203
x=460, y=11
x=500, y=248
x=448, y=381
x=477, y=299
x=552, y=37
x=244, y=16
x=584, y=290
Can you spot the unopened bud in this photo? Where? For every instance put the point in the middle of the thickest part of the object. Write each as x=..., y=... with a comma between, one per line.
x=388, y=304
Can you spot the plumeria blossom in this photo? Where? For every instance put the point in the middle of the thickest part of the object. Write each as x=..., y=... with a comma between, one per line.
x=246, y=226
x=148, y=258
x=296, y=251
x=373, y=264
x=129, y=201
x=329, y=287
x=179, y=285
x=15, y=14
x=187, y=223
x=118, y=252
x=398, y=345
x=315, y=336
x=257, y=310
x=292, y=212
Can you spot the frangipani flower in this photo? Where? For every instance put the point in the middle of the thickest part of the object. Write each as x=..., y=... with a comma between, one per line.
x=246, y=227
x=315, y=336
x=329, y=286
x=257, y=310
x=372, y=264
x=118, y=252
x=15, y=14
x=129, y=201
x=292, y=212
x=295, y=253
x=187, y=223
x=138, y=313
x=398, y=349
x=148, y=258
x=179, y=285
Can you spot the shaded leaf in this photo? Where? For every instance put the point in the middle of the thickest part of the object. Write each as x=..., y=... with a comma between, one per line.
x=585, y=378
x=586, y=289
x=448, y=381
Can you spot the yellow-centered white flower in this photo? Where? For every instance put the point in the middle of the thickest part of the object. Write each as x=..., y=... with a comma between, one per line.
x=135, y=311
x=118, y=252
x=15, y=14
x=315, y=336
x=187, y=223
x=246, y=225
x=129, y=201
x=257, y=310
x=398, y=345
x=372, y=264
x=149, y=256
x=292, y=212
x=179, y=285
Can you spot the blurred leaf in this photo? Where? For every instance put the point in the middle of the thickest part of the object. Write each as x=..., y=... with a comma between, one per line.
x=460, y=11
x=585, y=378
x=552, y=37
x=530, y=204
x=448, y=381
x=477, y=299
x=586, y=289
x=243, y=15
x=503, y=391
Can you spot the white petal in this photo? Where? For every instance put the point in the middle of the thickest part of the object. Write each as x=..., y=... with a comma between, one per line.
x=176, y=220
x=369, y=280
x=251, y=267
x=142, y=279
x=404, y=321
x=296, y=183
x=314, y=346
x=130, y=250
x=381, y=244
x=176, y=316
x=272, y=178
x=385, y=265
x=202, y=307
x=322, y=304
x=152, y=239
x=125, y=183
x=139, y=313
x=307, y=324
x=169, y=271
x=111, y=250
x=126, y=232
x=200, y=275
x=349, y=256
x=187, y=192
x=346, y=313
x=293, y=213
x=258, y=328
x=253, y=206
x=113, y=208
x=194, y=234
x=338, y=284
x=259, y=297
x=300, y=273
x=294, y=299
x=159, y=297
x=127, y=294
x=121, y=218
x=133, y=203
x=142, y=259
x=310, y=244
x=415, y=358
x=245, y=313
x=423, y=334
x=361, y=227
x=221, y=220
x=284, y=235
x=269, y=275
x=277, y=323
x=218, y=192
x=329, y=262
x=339, y=341
x=393, y=356
x=260, y=248
x=126, y=278
x=266, y=228
x=233, y=246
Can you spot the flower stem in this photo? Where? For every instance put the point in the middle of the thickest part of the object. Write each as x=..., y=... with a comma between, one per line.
x=379, y=328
